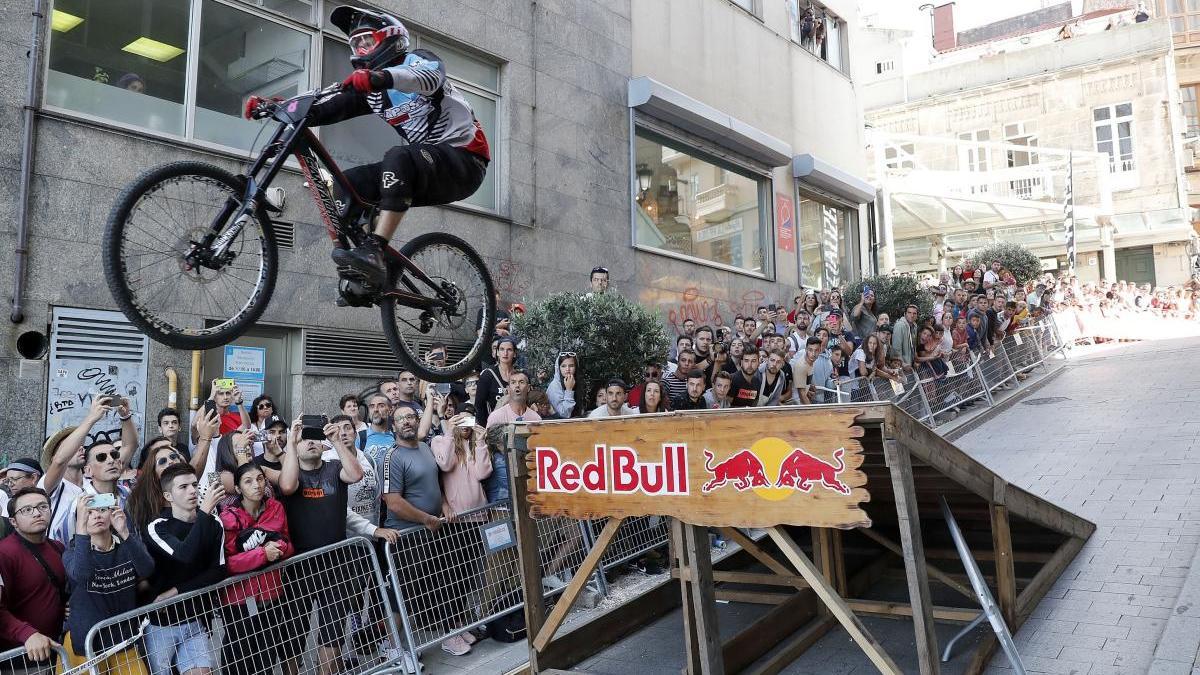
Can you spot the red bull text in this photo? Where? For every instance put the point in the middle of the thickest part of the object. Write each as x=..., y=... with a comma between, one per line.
x=616, y=470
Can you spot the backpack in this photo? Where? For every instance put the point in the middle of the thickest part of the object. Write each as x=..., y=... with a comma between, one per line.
x=509, y=627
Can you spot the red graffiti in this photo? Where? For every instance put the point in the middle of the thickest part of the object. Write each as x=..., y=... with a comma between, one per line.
x=749, y=304
x=704, y=311
x=511, y=281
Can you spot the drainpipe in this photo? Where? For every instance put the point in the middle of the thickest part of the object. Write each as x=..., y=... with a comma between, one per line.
x=194, y=404
x=172, y=388
x=33, y=87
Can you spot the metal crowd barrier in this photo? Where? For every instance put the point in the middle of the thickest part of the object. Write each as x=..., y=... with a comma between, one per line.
x=17, y=661
x=972, y=376
x=318, y=612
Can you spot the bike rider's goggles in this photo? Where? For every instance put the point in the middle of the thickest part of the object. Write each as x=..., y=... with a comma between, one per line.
x=362, y=43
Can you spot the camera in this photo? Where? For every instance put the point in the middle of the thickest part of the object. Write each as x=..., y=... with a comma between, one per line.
x=312, y=427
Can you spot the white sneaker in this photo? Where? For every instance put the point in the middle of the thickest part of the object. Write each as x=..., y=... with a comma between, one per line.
x=404, y=658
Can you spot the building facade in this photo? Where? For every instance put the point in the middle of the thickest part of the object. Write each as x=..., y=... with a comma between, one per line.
x=705, y=190
x=981, y=144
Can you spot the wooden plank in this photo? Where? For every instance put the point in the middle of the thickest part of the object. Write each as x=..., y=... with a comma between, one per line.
x=527, y=546
x=884, y=608
x=752, y=597
x=914, y=557
x=706, y=469
x=750, y=546
x=934, y=572
x=679, y=553
x=755, y=579
x=791, y=649
x=769, y=630
x=1006, y=576
x=578, y=581
x=836, y=605
x=704, y=632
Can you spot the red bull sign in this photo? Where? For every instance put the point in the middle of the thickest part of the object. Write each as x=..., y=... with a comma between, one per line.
x=747, y=468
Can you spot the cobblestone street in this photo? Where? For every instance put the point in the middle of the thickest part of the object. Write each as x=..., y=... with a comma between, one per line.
x=1121, y=448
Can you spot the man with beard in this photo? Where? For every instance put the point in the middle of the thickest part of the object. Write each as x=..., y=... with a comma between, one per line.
x=693, y=394
x=315, y=496
x=63, y=480
x=746, y=382
x=517, y=408
x=406, y=392
x=775, y=383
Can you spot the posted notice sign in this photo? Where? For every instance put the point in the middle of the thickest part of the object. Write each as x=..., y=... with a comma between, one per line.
x=722, y=468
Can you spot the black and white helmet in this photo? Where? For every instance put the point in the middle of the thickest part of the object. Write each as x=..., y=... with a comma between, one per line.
x=376, y=40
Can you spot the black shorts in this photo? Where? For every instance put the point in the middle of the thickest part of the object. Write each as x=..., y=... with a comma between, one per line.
x=420, y=174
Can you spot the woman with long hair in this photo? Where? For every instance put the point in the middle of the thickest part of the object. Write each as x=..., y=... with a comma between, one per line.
x=262, y=409
x=256, y=535
x=957, y=277
x=736, y=348
x=462, y=456
x=811, y=304
x=653, y=398
x=146, y=501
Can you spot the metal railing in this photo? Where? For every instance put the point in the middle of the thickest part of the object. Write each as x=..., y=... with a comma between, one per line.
x=318, y=612
x=969, y=377
x=17, y=660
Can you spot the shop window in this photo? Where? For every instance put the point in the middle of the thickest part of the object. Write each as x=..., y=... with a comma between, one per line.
x=691, y=205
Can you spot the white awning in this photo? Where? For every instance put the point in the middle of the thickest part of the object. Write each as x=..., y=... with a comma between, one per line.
x=825, y=176
x=674, y=107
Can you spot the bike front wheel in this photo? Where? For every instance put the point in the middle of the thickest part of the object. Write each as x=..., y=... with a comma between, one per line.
x=155, y=224
x=462, y=323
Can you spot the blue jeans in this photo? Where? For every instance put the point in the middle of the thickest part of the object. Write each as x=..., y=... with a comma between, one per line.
x=185, y=645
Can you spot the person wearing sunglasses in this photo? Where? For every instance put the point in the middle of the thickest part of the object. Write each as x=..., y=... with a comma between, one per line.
x=561, y=390
x=103, y=463
x=146, y=499
x=262, y=409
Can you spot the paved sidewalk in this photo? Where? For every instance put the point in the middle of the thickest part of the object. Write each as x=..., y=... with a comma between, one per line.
x=1122, y=449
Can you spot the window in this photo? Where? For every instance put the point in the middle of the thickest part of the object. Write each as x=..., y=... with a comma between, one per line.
x=882, y=67
x=1113, y=126
x=700, y=207
x=1184, y=16
x=1022, y=134
x=752, y=6
x=828, y=243
x=899, y=156
x=975, y=158
x=1191, y=111
x=144, y=64
x=821, y=32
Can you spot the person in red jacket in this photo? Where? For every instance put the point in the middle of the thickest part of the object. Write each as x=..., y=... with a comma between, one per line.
x=256, y=535
x=33, y=597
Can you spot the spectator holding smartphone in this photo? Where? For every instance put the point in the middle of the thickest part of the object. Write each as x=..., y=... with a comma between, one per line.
x=226, y=399
x=65, y=461
x=188, y=546
x=103, y=463
x=104, y=562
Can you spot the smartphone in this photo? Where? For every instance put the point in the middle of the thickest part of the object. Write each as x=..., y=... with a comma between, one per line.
x=225, y=383
x=442, y=388
x=210, y=406
x=103, y=501
x=466, y=423
x=772, y=308
x=312, y=427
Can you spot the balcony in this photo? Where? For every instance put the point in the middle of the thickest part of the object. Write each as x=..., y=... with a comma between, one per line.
x=717, y=203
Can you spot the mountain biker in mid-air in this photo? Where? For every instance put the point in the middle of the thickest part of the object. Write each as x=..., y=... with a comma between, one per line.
x=444, y=155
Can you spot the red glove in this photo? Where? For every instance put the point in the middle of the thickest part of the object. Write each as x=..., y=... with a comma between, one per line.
x=366, y=81
x=254, y=102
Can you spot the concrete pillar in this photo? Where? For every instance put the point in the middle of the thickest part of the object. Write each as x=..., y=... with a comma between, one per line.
x=887, y=242
x=1108, y=252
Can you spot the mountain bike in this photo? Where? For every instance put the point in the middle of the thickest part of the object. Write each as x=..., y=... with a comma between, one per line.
x=191, y=257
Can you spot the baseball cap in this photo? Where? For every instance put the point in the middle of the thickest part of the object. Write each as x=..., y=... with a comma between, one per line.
x=26, y=464
x=275, y=420
x=885, y=328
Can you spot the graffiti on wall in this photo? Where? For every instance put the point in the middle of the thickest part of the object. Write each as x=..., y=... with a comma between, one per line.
x=511, y=279
x=691, y=304
x=75, y=382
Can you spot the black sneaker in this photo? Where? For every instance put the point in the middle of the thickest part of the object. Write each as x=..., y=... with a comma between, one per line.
x=367, y=260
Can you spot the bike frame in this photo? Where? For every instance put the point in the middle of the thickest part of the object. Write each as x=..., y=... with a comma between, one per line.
x=292, y=136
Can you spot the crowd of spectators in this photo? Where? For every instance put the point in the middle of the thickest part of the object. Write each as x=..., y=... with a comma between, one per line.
x=94, y=533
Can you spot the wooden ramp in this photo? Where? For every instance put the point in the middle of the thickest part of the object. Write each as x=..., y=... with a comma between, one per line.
x=820, y=577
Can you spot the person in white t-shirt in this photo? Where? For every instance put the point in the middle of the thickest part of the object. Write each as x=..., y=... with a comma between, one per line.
x=64, y=459
x=614, y=397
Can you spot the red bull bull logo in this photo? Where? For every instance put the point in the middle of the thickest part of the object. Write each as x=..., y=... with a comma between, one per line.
x=773, y=469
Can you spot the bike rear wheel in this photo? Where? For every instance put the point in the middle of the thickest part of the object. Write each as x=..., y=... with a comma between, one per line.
x=153, y=226
x=465, y=329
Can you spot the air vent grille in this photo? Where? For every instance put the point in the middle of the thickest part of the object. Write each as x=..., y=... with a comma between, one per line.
x=98, y=335
x=357, y=354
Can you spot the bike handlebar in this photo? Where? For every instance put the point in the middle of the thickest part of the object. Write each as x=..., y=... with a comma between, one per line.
x=268, y=106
